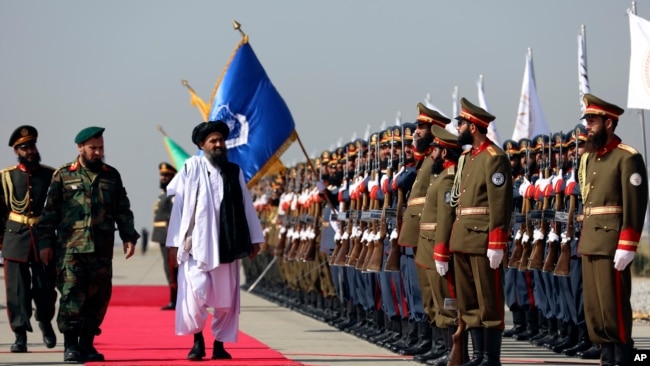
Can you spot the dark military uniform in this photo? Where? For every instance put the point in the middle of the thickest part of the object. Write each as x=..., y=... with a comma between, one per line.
x=161, y=213
x=22, y=197
x=614, y=188
x=78, y=222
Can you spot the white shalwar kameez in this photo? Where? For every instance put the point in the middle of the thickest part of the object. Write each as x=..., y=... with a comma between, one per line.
x=204, y=282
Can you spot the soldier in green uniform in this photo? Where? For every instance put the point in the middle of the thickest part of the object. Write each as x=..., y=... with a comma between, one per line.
x=614, y=187
x=482, y=196
x=435, y=228
x=86, y=200
x=23, y=193
x=161, y=212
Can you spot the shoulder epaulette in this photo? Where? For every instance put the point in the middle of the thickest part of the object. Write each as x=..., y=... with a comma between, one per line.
x=467, y=151
x=628, y=148
x=491, y=151
x=9, y=168
x=66, y=166
x=451, y=170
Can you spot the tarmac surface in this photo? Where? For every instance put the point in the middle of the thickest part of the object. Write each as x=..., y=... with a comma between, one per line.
x=298, y=337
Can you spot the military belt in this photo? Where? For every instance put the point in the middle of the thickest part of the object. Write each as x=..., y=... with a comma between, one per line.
x=429, y=226
x=464, y=211
x=160, y=224
x=23, y=219
x=417, y=201
x=602, y=210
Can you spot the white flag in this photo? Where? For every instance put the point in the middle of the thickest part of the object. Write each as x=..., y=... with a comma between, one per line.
x=638, y=92
x=530, y=117
x=583, y=80
x=492, y=133
x=453, y=125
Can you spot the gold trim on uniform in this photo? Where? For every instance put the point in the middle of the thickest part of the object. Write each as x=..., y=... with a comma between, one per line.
x=23, y=219
x=417, y=201
x=464, y=211
x=602, y=210
x=160, y=224
x=428, y=226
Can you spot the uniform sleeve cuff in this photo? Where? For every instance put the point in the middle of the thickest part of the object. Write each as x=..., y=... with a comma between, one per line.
x=441, y=252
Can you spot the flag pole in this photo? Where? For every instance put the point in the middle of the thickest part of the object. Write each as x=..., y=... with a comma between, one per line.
x=641, y=114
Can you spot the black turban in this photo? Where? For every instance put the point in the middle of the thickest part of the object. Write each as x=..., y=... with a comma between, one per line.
x=203, y=129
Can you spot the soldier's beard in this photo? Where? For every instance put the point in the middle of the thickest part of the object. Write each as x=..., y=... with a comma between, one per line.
x=465, y=138
x=437, y=166
x=93, y=165
x=596, y=141
x=219, y=157
x=163, y=185
x=34, y=162
x=423, y=143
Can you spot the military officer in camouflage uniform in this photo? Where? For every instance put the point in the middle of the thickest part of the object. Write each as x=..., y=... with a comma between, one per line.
x=86, y=200
x=480, y=234
x=23, y=193
x=161, y=212
x=613, y=181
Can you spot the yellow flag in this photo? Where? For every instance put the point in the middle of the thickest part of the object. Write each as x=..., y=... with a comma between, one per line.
x=197, y=102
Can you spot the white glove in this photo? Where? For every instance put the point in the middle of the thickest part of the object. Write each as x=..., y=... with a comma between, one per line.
x=442, y=268
x=524, y=185
x=320, y=186
x=495, y=256
x=623, y=258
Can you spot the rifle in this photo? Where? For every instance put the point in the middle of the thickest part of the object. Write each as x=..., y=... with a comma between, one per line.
x=393, y=260
x=563, y=262
x=357, y=246
x=374, y=207
x=519, y=258
x=345, y=239
x=457, y=354
x=296, y=220
x=552, y=253
x=536, y=260
x=377, y=257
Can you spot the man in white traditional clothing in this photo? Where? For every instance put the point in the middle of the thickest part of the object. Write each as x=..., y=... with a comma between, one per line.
x=213, y=225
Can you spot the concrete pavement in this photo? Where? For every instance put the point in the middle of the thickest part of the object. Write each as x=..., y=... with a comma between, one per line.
x=297, y=336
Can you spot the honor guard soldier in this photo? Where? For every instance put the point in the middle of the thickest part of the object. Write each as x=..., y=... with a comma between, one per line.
x=27, y=279
x=419, y=293
x=433, y=246
x=162, y=211
x=613, y=181
x=480, y=234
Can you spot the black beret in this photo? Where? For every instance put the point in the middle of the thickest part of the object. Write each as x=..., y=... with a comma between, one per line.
x=22, y=135
x=203, y=129
x=166, y=168
x=88, y=133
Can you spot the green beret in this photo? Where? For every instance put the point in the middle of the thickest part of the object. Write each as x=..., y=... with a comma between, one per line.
x=88, y=133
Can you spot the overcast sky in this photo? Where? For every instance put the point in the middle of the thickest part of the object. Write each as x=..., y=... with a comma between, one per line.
x=340, y=65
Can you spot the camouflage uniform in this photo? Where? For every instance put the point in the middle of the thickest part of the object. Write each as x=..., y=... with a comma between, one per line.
x=83, y=207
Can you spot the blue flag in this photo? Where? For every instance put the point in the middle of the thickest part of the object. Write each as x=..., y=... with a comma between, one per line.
x=261, y=125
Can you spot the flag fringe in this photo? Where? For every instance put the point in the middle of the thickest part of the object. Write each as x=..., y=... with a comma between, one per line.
x=273, y=159
x=225, y=68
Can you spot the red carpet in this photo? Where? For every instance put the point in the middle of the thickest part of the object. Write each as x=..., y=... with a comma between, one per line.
x=137, y=332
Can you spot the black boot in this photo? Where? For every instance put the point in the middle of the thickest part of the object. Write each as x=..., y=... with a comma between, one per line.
x=409, y=339
x=492, y=355
x=438, y=347
x=593, y=353
x=447, y=338
x=87, y=351
x=424, y=343
x=532, y=326
x=607, y=354
x=218, y=352
x=49, y=337
x=570, y=340
x=583, y=342
x=478, y=346
x=519, y=323
x=172, y=300
x=71, y=346
x=623, y=353
x=20, y=345
x=198, y=349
